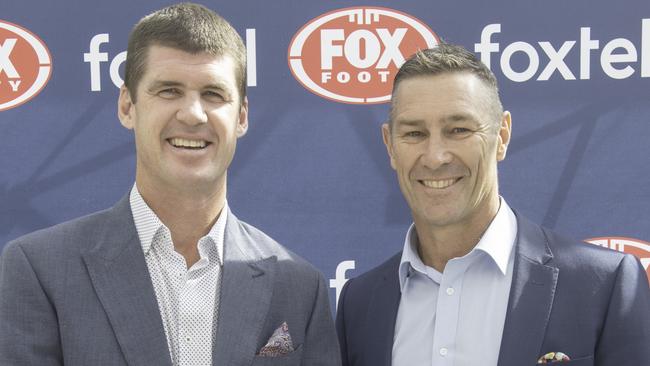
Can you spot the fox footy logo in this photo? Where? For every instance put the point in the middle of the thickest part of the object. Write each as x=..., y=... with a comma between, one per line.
x=351, y=55
x=640, y=249
x=25, y=65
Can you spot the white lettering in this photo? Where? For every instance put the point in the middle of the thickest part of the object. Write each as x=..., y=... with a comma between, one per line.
x=645, y=262
x=364, y=77
x=14, y=84
x=556, y=60
x=607, y=58
x=339, y=280
x=533, y=63
x=383, y=75
x=328, y=49
x=94, y=57
x=586, y=45
x=114, y=69
x=325, y=77
x=617, y=57
x=353, y=47
x=343, y=77
x=645, y=48
x=391, y=43
x=251, y=58
x=486, y=46
x=5, y=63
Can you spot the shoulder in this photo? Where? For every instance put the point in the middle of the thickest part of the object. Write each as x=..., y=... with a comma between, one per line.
x=75, y=234
x=386, y=271
x=579, y=263
x=579, y=256
x=262, y=245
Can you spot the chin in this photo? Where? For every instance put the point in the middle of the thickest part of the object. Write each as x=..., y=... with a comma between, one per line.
x=440, y=217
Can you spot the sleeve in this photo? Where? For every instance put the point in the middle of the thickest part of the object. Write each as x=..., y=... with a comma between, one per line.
x=625, y=336
x=340, y=324
x=320, y=347
x=29, y=333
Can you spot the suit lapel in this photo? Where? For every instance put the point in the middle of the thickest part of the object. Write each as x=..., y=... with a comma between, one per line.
x=531, y=297
x=246, y=288
x=382, y=313
x=119, y=274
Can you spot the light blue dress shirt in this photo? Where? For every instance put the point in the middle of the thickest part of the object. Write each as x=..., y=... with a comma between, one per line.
x=456, y=318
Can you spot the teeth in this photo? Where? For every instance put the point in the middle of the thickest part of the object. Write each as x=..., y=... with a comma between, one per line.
x=179, y=142
x=439, y=184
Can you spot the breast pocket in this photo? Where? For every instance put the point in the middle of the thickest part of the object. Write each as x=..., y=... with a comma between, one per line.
x=584, y=361
x=290, y=359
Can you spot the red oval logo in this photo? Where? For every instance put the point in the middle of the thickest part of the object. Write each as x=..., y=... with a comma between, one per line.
x=25, y=65
x=351, y=55
x=638, y=248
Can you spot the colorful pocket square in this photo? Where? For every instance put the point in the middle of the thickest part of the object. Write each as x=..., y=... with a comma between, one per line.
x=279, y=344
x=553, y=357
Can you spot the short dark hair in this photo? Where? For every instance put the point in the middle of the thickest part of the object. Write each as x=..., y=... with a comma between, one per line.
x=188, y=27
x=449, y=58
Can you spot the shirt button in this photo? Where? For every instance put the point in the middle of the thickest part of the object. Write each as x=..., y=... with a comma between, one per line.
x=443, y=352
x=450, y=291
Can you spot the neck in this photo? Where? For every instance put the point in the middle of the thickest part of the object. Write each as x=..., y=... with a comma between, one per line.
x=439, y=244
x=189, y=214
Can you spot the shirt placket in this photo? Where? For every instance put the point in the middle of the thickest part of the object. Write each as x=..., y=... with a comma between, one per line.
x=193, y=313
x=447, y=313
x=173, y=268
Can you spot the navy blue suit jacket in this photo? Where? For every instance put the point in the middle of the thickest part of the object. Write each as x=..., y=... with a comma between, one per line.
x=588, y=302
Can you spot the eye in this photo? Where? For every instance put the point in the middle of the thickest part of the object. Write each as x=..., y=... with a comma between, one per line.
x=414, y=134
x=214, y=96
x=169, y=93
x=457, y=130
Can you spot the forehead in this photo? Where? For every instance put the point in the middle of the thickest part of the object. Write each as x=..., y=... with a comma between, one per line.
x=436, y=96
x=171, y=64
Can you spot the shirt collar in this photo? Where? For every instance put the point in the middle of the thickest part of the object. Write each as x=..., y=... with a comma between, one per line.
x=147, y=223
x=411, y=260
x=499, y=238
x=497, y=241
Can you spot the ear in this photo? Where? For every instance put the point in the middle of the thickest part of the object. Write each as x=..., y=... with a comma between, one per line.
x=503, y=139
x=386, y=134
x=242, y=124
x=125, y=110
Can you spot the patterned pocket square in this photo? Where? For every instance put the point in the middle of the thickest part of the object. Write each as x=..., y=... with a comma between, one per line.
x=279, y=344
x=553, y=357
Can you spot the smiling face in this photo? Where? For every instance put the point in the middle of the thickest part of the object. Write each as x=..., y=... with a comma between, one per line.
x=444, y=144
x=186, y=121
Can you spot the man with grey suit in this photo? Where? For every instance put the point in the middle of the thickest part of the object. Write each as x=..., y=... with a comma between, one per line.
x=169, y=275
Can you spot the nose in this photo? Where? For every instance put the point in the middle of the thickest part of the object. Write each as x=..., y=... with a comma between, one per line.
x=436, y=153
x=191, y=112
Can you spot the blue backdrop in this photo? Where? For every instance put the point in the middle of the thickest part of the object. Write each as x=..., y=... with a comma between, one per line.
x=312, y=172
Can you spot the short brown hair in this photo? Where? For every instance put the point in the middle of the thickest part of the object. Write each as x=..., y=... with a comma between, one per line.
x=188, y=27
x=448, y=58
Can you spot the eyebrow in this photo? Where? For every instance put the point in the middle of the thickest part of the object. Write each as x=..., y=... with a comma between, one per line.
x=163, y=83
x=459, y=117
x=170, y=83
x=456, y=117
x=409, y=123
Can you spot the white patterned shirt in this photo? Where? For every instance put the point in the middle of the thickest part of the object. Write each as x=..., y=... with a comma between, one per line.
x=456, y=318
x=188, y=299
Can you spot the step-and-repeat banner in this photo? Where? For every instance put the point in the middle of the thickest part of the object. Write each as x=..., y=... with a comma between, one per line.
x=312, y=171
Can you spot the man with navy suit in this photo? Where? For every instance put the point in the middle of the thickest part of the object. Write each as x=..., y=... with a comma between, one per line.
x=169, y=275
x=476, y=283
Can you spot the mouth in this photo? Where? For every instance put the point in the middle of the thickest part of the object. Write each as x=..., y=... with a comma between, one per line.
x=189, y=144
x=438, y=184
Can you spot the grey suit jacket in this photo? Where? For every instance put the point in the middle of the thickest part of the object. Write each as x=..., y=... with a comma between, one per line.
x=588, y=302
x=79, y=293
